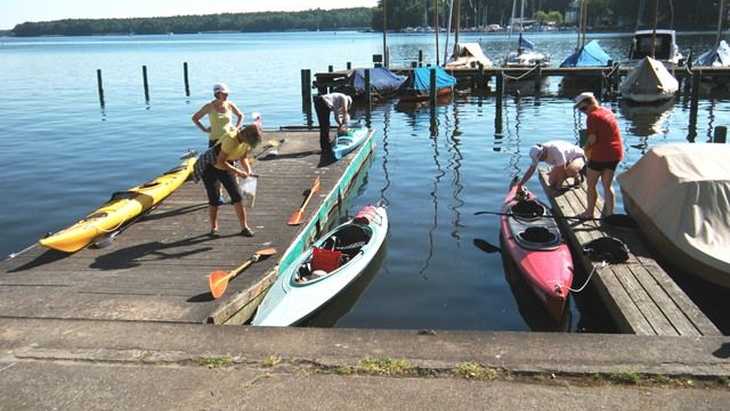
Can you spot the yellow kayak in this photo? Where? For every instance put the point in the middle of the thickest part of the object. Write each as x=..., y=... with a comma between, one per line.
x=121, y=208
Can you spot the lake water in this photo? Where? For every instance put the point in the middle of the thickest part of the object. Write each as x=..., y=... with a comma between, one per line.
x=61, y=155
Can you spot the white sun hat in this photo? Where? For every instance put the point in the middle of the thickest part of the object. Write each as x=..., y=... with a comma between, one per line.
x=536, y=152
x=580, y=98
x=221, y=88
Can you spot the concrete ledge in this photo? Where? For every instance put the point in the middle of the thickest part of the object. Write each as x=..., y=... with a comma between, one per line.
x=154, y=343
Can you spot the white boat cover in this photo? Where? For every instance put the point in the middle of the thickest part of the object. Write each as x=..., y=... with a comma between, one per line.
x=649, y=82
x=466, y=54
x=717, y=57
x=684, y=189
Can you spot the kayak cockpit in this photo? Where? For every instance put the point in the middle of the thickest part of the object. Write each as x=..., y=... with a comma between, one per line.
x=530, y=226
x=333, y=253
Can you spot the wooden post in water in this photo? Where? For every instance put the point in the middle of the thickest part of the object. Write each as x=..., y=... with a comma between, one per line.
x=538, y=80
x=146, y=84
x=100, y=87
x=720, y=135
x=694, y=102
x=185, y=77
x=432, y=85
x=349, y=65
x=420, y=58
x=330, y=68
x=307, y=90
x=498, y=110
x=480, y=76
x=368, y=94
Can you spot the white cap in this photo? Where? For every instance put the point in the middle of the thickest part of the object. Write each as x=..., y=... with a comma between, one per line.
x=536, y=153
x=221, y=88
x=583, y=97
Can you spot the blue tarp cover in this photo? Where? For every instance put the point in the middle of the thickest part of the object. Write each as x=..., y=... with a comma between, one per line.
x=382, y=80
x=590, y=55
x=523, y=43
x=422, y=79
x=719, y=56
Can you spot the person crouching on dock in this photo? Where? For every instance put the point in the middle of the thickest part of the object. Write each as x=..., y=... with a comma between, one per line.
x=218, y=168
x=336, y=103
x=566, y=159
x=606, y=150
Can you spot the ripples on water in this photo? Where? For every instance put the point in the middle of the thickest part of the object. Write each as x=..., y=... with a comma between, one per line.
x=61, y=155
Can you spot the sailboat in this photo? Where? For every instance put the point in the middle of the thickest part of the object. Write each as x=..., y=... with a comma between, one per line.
x=718, y=56
x=525, y=55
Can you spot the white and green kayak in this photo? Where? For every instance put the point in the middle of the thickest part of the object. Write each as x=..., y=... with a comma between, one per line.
x=312, y=280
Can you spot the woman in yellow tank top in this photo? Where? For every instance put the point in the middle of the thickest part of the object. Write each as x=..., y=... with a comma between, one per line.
x=220, y=112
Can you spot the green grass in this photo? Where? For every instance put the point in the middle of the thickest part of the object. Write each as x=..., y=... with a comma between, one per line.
x=385, y=366
x=271, y=361
x=215, y=362
x=475, y=371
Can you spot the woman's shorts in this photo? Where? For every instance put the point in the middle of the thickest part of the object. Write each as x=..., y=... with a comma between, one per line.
x=212, y=178
x=602, y=165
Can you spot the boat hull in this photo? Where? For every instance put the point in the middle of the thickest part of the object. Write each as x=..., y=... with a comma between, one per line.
x=671, y=253
x=548, y=270
x=288, y=302
x=119, y=210
x=344, y=145
x=415, y=97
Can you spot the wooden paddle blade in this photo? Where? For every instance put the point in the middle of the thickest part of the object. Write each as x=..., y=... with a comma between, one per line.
x=485, y=246
x=296, y=217
x=266, y=252
x=218, y=282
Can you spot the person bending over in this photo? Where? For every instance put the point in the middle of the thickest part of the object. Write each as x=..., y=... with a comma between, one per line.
x=336, y=103
x=566, y=160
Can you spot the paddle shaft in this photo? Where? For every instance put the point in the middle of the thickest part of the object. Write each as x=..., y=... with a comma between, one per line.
x=239, y=269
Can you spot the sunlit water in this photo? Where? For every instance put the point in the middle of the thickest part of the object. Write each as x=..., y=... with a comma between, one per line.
x=61, y=155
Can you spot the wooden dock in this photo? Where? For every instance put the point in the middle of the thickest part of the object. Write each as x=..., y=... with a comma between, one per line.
x=157, y=269
x=640, y=296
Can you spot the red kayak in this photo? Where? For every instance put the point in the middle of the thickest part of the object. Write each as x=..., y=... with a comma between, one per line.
x=534, y=242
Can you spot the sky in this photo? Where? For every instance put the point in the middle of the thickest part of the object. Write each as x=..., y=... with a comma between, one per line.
x=13, y=12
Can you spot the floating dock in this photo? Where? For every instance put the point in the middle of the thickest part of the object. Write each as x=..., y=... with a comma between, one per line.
x=157, y=268
x=639, y=295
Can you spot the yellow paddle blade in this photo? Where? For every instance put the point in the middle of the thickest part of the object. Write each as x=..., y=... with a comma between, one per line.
x=218, y=282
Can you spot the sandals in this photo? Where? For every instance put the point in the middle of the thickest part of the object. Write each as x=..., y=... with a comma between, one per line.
x=213, y=232
x=247, y=232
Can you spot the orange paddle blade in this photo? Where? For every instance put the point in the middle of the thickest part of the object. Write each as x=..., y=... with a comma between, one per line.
x=266, y=252
x=218, y=282
x=296, y=217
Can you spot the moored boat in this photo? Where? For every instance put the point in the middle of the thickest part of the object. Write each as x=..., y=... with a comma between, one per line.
x=665, y=47
x=346, y=143
x=121, y=208
x=533, y=241
x=649, y=82
x=320, y=273
x=679, y=194
x=419, y=85
x=468, y=56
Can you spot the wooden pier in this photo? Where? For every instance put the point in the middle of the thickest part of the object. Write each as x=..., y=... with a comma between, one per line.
x=157, y=269
x=640, y=296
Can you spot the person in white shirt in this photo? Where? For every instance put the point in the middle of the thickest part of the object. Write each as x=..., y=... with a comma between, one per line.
x=566, y=160
x=336, y=103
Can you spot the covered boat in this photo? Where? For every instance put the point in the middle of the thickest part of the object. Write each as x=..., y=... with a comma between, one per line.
x=419, y=84
x=383, y=82
x=468, y=55
x=532, y=240
x=680, y=196
x=717, y=57
x=649, y=82
x=665, y=47
x=590, y=55
x=319, y=274
x=526, y=55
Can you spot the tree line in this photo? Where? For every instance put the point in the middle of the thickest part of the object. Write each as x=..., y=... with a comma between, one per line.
x=316, y=19
x=614, y=14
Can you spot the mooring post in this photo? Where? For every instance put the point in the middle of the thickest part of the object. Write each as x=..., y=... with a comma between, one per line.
x=330, y=69
x=306, y=90
x=498, y=109
x=368, y=94
x=146, y=84
x=480, y=76
x=538, y=79
x=100, y=86
x=185, y=76
x=349, y=65
x=420, y=58
x=432, y=85
x=720, y=135
x=694, y=103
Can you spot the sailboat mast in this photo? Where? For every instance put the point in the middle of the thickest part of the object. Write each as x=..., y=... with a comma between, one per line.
x=512, y=19
x=448, y=30
x=720, y=18
x=653, y=34
x=585, y=23
x=580, y=25
x=436, y=28
x=385, y=34
x=522, y=16
x=458, y=23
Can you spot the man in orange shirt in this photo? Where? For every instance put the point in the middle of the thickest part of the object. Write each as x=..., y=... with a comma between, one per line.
x=606, y=150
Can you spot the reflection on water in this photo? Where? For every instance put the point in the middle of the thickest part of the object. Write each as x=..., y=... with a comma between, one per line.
x=647, y=120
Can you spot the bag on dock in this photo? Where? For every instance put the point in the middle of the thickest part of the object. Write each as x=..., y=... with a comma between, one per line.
x=608, y=249
x=248, y=190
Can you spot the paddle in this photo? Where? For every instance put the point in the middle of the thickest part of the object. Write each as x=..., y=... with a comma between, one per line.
x=486, y=247
x=296, y=217
x=218, y=280
x=617, y=220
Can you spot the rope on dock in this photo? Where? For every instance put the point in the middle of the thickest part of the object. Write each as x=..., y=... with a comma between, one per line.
x=521, y=76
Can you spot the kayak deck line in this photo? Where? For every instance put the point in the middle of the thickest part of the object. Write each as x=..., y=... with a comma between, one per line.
x=157, y=269
x=639, y=295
